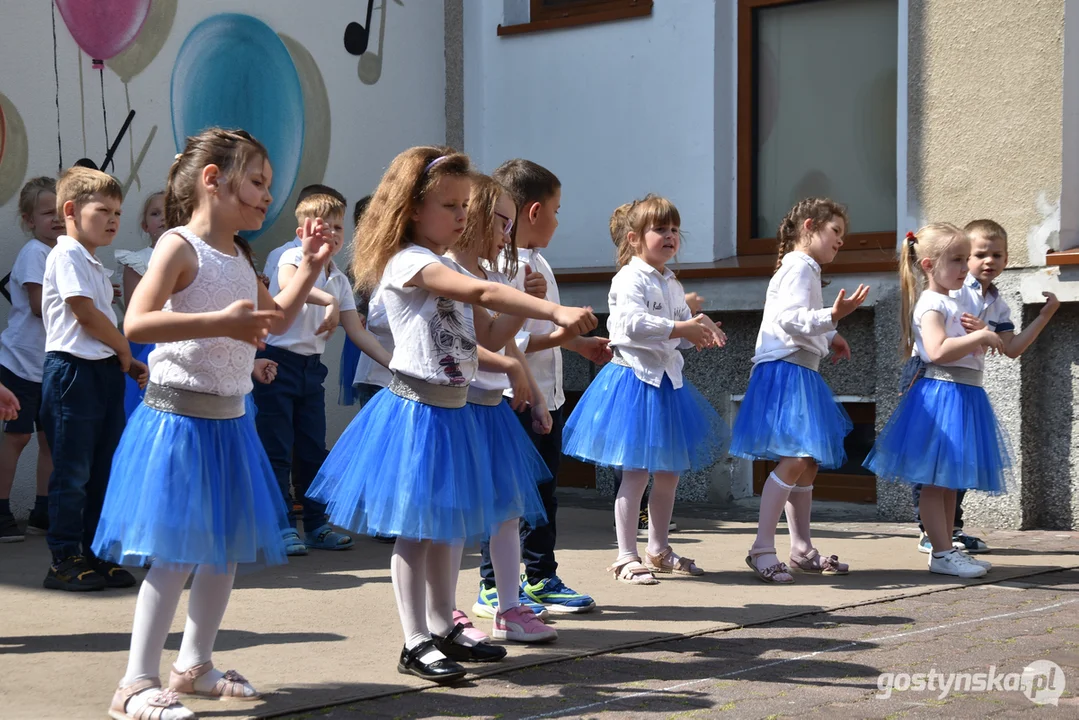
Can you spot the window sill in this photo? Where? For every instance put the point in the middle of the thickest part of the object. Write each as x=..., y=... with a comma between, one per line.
x=642, y=9
x=848, y=262
x=1063, y=257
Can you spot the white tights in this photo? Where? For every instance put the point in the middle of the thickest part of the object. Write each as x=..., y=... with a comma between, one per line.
x=660, y=507
x=424, y=579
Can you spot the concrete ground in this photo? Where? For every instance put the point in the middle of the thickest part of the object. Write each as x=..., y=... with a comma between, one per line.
x=323, y=631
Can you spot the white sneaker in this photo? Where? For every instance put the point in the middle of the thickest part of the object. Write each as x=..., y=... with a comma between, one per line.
x=971, y=559
x=954, y=564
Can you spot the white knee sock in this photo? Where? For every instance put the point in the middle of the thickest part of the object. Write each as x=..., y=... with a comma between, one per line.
x=798, y=510
x=627, y=509
x=660, y=508
x=209, y=597
x=408, y=569
x=773, y=498
x=441, y=587
x=505, y=548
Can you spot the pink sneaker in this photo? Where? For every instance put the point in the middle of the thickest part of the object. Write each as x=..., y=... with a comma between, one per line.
x=470, y=631
x=522, y=625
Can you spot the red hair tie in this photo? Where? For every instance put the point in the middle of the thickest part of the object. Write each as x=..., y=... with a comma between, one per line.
x=912, y=238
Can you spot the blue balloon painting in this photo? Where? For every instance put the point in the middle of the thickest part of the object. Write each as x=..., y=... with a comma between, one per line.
x=233, y=71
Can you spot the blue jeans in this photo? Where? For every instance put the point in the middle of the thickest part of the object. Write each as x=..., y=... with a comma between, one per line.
x=291, y=423
x=83, y=414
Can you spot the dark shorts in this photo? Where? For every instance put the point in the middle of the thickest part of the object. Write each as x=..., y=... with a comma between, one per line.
x=29, y=395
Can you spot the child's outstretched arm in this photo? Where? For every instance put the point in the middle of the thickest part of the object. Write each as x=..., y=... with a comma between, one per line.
x=362, y=338
x=174, y=268
x=1016, y=345
x=515, y=370
x=942, y=349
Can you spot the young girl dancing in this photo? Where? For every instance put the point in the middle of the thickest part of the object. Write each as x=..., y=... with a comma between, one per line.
x=640, y=415
x=789, y=415
x=191, y=486
x=516, y=463
x=410, y=464
x=135, y=263
x=944, y=434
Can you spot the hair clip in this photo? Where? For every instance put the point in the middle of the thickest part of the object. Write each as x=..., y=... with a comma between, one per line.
x=912, y=239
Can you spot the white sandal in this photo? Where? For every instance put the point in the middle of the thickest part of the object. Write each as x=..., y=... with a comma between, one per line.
x=632, y=572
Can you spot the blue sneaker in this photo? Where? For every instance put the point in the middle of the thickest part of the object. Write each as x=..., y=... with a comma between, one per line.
x=556, y=597
x=924, y=545
x=487, y=604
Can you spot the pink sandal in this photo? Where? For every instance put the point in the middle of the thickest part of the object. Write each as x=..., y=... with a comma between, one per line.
x=663, y=563
x=233, y=686
x=155, y=707
x=813, y=562
x=632, y=572
x=769, y=574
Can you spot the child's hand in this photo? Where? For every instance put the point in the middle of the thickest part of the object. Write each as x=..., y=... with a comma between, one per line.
x=265, y=370
x=9, y=405
x=840, y=349
x=576, y=320
x=991, y=341
x=594, y=349
x=331, y=321
x=535, y=283
x=117, y=292
x=541, y=419
x=522, y=391
x=700, y=331
x=695, y=302
x=719, y=337
x=844, y=306
x=972, y=323
x=314, y=239
x=138, y=372
x=241, y=321
x=1051, y=305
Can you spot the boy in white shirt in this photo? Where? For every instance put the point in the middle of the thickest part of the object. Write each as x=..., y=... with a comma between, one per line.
x=291, y=418
x=22, y=355
x=86, y=357
x=274, y=258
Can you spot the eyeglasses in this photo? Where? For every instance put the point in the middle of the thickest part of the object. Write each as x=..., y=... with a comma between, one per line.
x=508, y=221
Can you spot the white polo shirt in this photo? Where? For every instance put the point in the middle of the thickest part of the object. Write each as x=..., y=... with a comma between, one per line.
x=274, y=258
x=300, y=338
x=546, y=365
x=71, y=271
x=23, y=351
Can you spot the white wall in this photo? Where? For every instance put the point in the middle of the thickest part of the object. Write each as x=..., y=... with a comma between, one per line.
x=360, y=112
x=616, y=110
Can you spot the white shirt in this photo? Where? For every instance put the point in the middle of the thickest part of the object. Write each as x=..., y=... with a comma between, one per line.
x=23, y=351
x=137, y=260
x=71, y=271
x=369, y=372
x=644, y=306
x=988, y=306
x=491, y=379
x=274, y=258
x=434, y=337
x=546, y=365
x=794, y=314
x=300, y=338
x=948, y=307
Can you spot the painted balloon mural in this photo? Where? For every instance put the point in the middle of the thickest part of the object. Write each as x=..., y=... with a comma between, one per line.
x=103, y=28
x=233, y=71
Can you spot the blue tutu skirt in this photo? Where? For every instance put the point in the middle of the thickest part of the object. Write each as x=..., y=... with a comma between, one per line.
x=132, y=392
x=944, y=434
x=622, y=422
x=516, y=465
x=789, y=411
x=405, y=469
x=350, y=358
x=189, y=491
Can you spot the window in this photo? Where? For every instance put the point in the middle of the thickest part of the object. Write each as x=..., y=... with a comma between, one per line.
x=817, y=116
x=554, y=14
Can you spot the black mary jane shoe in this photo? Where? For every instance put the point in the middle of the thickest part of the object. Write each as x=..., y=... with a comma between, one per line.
x=479, y=653
x=440, y=671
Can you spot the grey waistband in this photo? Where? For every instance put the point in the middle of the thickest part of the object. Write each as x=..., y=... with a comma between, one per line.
x=490, y=398
x=194, y=404
x=804, y=358
x=961, y=375
x=617, y=359
x=443, y=396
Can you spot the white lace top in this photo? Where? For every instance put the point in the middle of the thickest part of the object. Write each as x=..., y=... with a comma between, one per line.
x=218, y=366
x=137, y=260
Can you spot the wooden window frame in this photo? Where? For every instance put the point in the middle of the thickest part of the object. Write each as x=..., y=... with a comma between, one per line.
x=586, y=12
x=746, y=244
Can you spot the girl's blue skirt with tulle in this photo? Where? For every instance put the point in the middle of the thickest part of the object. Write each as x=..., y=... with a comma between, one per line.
x=406, y=469
x=789, y=411
x=190, y=491
x=516, y=465
x=944, y=434
x=350, y=358
x=132, y=392
x=625, y=423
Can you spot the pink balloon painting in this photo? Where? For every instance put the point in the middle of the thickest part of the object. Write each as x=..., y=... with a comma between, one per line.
x=104, y=28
